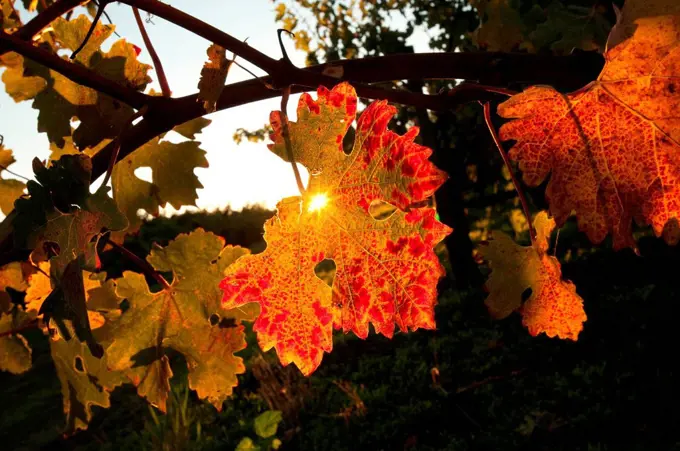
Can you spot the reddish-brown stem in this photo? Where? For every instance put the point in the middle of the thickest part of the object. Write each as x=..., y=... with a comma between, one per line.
x=30, y=325
x=162, y=79
x=141, y=264
x=286, y=138
x=506, y=160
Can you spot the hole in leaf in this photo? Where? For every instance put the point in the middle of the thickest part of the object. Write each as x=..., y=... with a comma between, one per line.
x=381, y=210
x=227, y=323
x=78, y=364
x=348, y=140
x=325, y=270
x=526, y=294
x=144, y=173
x=51, y=249
x=214, y=319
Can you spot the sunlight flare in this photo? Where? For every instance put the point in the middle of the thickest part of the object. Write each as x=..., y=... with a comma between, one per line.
x=318, y=202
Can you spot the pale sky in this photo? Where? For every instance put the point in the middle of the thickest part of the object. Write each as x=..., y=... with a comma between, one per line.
x=239, y=175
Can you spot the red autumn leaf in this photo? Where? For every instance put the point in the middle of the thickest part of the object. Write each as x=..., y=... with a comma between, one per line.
x=553, y=307
x=386, y=269
x=612, y=146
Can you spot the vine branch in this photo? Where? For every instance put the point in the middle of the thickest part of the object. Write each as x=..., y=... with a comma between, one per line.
x=75, y=72
x=162, y=79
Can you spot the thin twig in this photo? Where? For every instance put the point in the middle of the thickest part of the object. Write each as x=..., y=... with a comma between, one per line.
x=107, y=18
x=100, y=9
x=4, y=168
x=114, y=155
x=506, y=160
x=286, y=138
x=489, y=379
x=162, y=79
x=141, y=264
x=30, y=325
x=283, y=47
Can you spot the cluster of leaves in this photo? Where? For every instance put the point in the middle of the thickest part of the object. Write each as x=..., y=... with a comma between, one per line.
x=367, y=210
x=557, y=26
x=105, y=332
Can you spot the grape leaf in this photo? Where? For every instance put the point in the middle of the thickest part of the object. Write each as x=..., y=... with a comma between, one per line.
x=101, y=298
x=73, y=232
x=612, y=146
x=85, y=381
x=39, y=288
x=12, y=275
x=10, y=189
x=553, y=307
x=191, y=128
x=501, y=28
x=8, y=15
x=37, y=5
x=65, y=238
x=100, y=115
x=58, y=188
x=173, y=178
x=570, y=27
x=18, y=85
x=179, y=317
x=267, y=423
x=85, y=378
x=69, y=148
x=15, y=353
x=386, y=270
x=213, y=77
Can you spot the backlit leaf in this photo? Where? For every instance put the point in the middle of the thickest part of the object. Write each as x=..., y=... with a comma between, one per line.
x=18, y=85
x=179, y=317
x=85, y=381
x=213, y=77
x=10, y=189
x=100, y=115
x=266, y=423
x=9, y=18
x=611, y=147
x=553, y=306
x=386, y=269
x=191, y=128
x=15, y=353
x=173, y=179
x=501, y=27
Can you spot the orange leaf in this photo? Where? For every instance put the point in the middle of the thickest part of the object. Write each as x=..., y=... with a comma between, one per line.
x=612, y=146
x=386, y=269
x=553, y=307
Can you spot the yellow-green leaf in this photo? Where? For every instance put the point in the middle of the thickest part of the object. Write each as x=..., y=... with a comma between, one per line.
x=179, y=317
x=173, y=178
x=15, y=354
x=10, y=190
